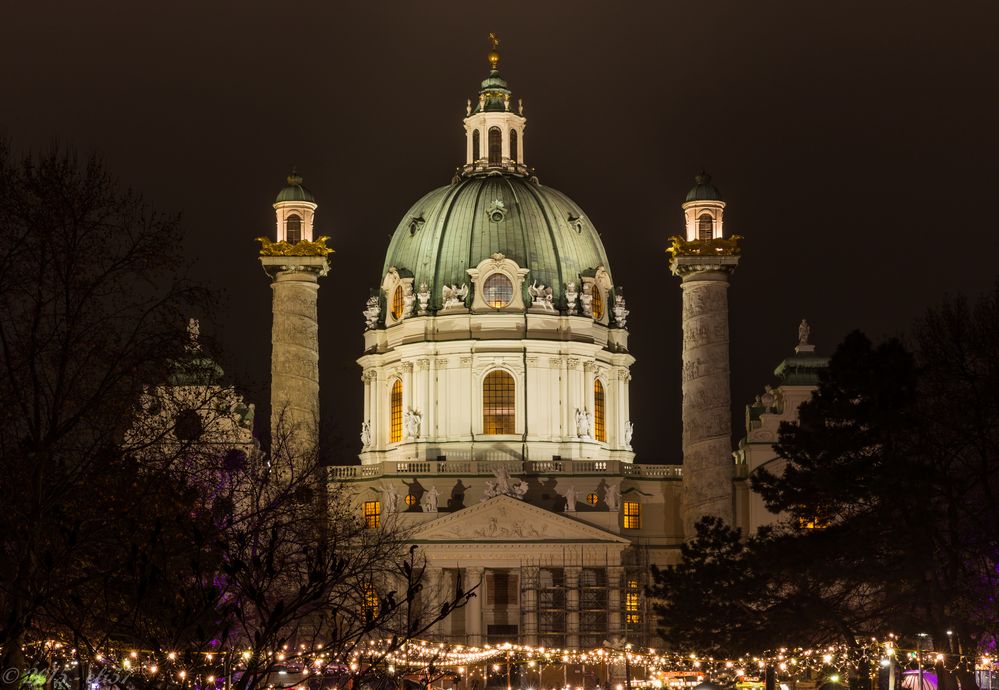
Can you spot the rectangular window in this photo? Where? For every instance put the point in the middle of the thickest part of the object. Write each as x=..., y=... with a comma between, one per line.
x=395, y=412
x=372, y=513
x=632, y=603
x=499, y=404
x=370, y=601
x=814, y=522
x=632, y=515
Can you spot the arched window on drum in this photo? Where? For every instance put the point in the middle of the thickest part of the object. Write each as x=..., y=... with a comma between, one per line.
x=495, y=146
x=499, y=403
x=395, y=412
x=599, y=412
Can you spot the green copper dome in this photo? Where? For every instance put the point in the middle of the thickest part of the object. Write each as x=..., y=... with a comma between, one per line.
x=295, y=191
x=454, y=228
x=703, y=190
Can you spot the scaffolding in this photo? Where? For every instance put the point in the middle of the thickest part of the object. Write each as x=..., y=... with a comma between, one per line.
x=584, y=605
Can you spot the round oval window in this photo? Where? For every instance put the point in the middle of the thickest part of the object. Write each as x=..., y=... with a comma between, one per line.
x=497, y=291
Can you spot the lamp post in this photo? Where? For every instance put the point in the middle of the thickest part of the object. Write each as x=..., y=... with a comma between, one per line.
x=919, y=657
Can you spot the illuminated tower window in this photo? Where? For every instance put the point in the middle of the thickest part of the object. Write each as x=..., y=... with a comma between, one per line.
x=632, y=515
x=705, y=227
x=372, y=514
x=632, y=602
x=293, y=229
x=599, y=426
x=497, y=291
x=597, y=303
x=592, y=499
x=370, y=601
x=498, y=403
x=513, y=145
x=495, y=146
x=397, y=303
x=395, y=413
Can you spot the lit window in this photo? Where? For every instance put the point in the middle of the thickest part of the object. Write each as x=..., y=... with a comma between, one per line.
x=705, y=227
x=513, y=145
x=599, y=426
x=498, y=403
x=370, y=601
x=813, y=522
x=632, y=602
x=397, y=303
x=293, y=228
x=592, y=499
x=495, y=146
x=475, y=146
x=632, y=515
x=410, y=500
x=497, y=291
x=597, y=303
x=372, y=513
x=395, y=415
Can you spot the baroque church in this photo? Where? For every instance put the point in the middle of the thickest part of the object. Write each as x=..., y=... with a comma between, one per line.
x=495, y=368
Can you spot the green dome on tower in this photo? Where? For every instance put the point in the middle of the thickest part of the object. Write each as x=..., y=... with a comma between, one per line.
x=703, y=190
x=454, y=228
x=295, y=191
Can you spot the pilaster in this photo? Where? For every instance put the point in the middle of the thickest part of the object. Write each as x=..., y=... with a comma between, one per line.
x=473, y=610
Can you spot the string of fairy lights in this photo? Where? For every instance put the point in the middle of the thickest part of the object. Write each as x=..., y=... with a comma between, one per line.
x=291, y=666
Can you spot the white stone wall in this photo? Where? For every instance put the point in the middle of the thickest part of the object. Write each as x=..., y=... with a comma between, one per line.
x=442, y=382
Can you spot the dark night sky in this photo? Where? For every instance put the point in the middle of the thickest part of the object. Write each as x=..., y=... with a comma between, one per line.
x=855, y=143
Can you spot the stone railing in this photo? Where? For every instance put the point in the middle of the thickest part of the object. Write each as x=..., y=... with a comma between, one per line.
x=514, y=467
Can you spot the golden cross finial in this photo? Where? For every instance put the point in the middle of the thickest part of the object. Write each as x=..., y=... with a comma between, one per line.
x=494, y=55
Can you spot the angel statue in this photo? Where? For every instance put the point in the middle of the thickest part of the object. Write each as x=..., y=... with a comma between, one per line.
x=365, y=434
x=454, y=295
x=412, y=421
x=584, y=422
x=503, y=485
x=541, y=296
x=804, y=331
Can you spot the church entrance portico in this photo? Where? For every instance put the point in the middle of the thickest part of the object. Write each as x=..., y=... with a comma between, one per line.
x=541, y=577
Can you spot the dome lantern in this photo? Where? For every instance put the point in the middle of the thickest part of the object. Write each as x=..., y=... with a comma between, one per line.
x=295, y=211
x=494, y=133
x=704, y=210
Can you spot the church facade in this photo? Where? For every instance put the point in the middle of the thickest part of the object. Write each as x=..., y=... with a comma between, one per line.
x=496, y=374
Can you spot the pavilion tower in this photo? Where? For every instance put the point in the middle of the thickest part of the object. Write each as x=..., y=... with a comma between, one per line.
x=703, y=259
x=295, y=262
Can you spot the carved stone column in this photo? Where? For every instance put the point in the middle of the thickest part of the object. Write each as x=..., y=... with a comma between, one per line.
x=431, y=597
x=707, y=416
x=473, y=610
x=295, y=349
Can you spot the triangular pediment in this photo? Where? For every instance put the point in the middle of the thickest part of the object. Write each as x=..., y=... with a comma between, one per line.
x=506, y=519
